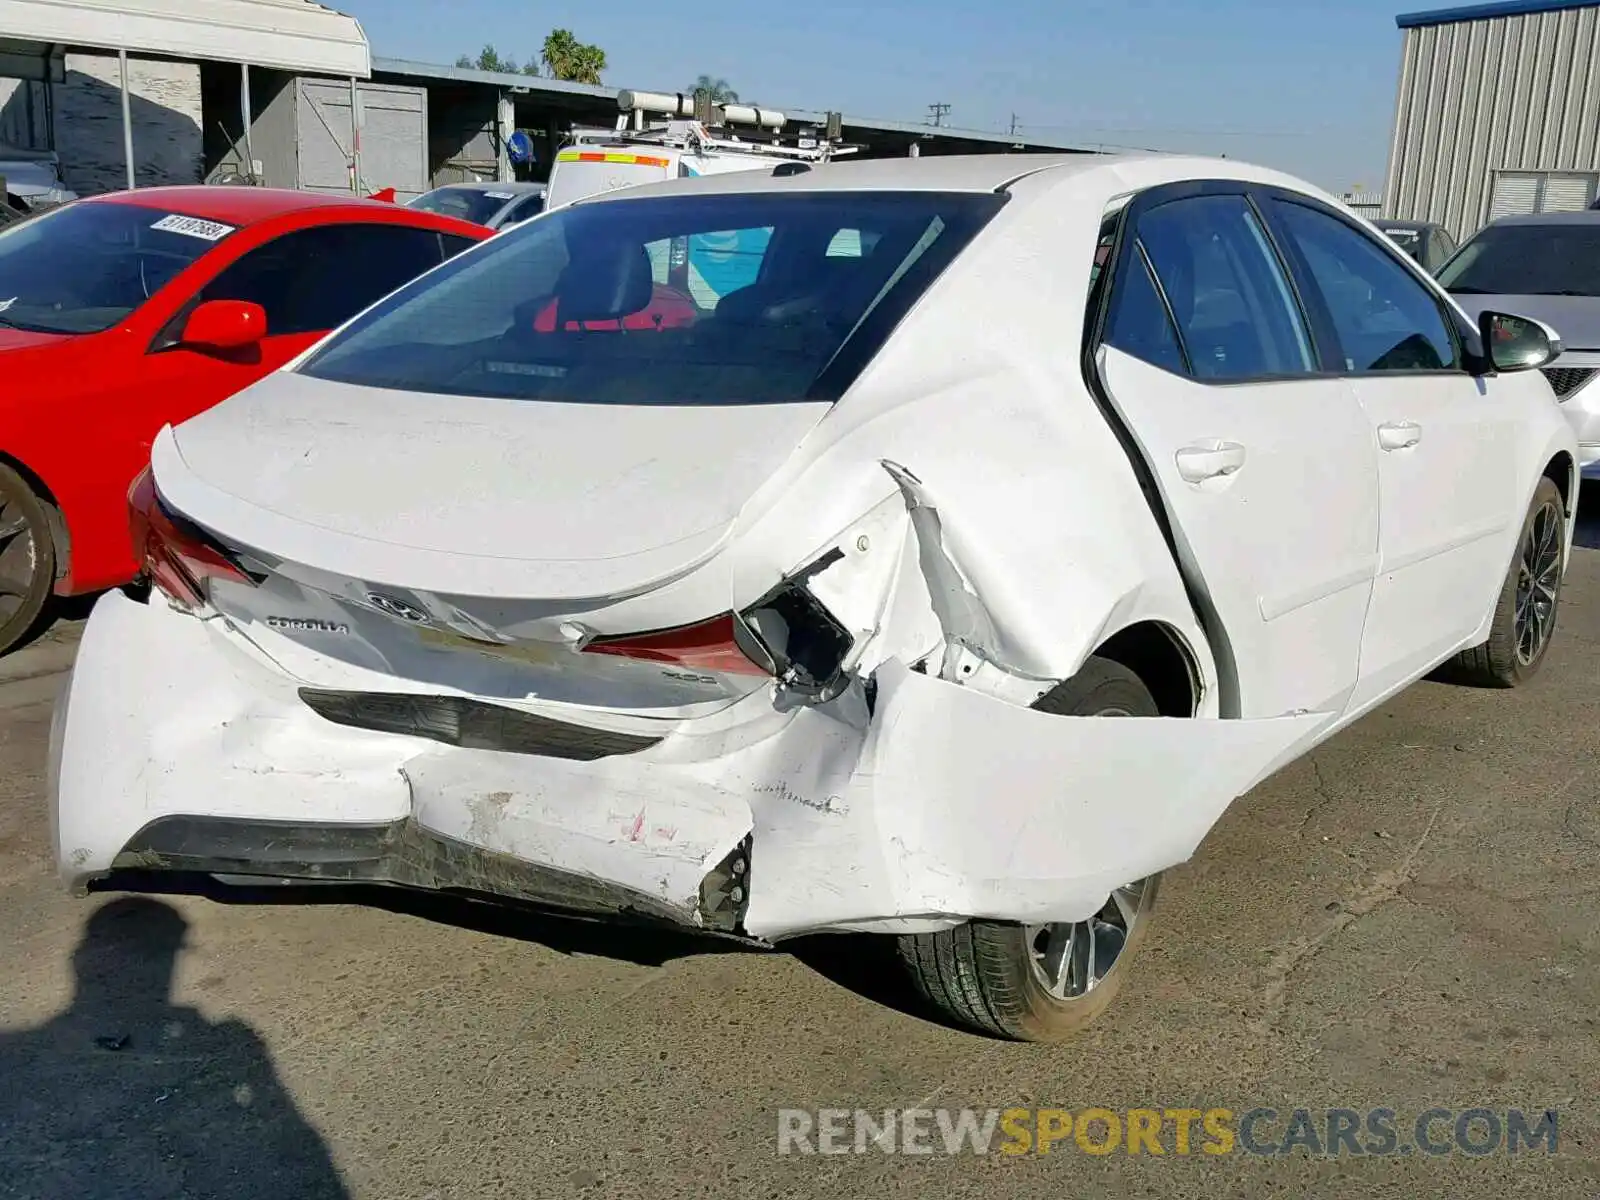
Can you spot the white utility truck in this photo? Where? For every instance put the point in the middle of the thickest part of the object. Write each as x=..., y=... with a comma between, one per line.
x=697, y=138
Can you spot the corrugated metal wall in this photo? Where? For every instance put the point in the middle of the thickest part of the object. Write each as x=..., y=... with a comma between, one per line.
x=1516, y=93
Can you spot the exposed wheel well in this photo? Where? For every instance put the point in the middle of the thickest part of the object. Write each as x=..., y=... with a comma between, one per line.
x=1156, y=654
x=58, y=524
x=1559, y=470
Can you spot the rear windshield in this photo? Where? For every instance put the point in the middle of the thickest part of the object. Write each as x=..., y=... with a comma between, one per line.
x=1557, y=259
x=85, y=267
x=751, y=298
x=465, y=204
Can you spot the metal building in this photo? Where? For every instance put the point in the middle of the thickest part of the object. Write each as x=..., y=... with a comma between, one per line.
x=1498, y=113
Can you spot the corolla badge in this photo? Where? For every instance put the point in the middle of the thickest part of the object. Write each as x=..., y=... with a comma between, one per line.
x=397, y=608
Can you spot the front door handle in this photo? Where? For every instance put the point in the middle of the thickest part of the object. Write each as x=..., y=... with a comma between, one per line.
x=1399, y=435
x=1208, y=460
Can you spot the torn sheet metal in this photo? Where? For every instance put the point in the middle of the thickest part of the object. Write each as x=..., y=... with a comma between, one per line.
x=940, y=804
x=963, y=805
x=973, y=650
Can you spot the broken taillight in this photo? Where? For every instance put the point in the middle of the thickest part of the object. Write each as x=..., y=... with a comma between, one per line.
x=787, y=635
x=177, y=558
x=713, y=645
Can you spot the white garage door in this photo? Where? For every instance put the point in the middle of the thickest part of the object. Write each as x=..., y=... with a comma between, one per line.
x=1518, y=193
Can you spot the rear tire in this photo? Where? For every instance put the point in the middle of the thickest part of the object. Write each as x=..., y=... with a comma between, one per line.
x=1019, y=982
x=27, y=559
x=1525, y=613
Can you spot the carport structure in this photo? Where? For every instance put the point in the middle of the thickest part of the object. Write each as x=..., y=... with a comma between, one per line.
x=297, y=36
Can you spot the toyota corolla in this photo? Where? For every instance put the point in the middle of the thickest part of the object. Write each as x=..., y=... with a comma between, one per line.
x=809, y=610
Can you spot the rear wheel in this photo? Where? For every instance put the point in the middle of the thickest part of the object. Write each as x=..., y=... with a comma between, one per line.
x=1525, y=614
x=1043, y=983
x=27, y=559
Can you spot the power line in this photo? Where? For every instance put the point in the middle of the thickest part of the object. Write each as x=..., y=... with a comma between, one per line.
x=937, y=113
x=1146, y=132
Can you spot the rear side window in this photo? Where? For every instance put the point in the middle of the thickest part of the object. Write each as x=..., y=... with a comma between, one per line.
x=314, y=280
x=696, y=299
x=1140, y=324
x=1235, y=314
x=1385, y=318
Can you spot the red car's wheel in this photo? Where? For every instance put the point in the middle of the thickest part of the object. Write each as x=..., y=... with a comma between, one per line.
x=27, y=559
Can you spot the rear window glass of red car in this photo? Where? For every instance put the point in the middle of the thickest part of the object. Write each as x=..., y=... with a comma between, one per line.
x=85, y=267
x=744, y=298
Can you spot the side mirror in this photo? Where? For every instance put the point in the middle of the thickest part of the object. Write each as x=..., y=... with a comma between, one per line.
x=1517, y=343
x=225, y=325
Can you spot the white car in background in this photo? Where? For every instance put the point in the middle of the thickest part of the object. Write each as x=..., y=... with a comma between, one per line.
x=797, y=604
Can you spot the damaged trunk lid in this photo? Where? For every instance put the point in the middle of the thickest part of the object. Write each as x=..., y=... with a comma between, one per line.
x=468, y=546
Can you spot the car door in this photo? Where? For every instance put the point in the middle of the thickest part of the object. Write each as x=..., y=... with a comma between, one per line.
x=1263, y=466
x=1445, y=442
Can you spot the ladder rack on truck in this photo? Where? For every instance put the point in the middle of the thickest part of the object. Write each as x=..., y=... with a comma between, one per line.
x=696, y=138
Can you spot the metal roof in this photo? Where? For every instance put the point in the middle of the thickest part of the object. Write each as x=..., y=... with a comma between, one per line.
x=1483, y=12
x=289, y=35
x=538, y=83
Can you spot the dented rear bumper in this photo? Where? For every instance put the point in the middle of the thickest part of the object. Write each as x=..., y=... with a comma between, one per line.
x=912, y=803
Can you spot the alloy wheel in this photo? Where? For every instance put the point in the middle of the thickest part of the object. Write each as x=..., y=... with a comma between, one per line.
x=19, y=557
x=1538, y=581
x=1071, y=958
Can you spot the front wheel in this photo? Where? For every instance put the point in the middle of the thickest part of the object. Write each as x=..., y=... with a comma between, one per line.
x=1043, y=983
x=27, y=559
x=1525, y=614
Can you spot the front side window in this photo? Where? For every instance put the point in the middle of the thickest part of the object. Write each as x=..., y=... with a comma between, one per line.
x=85, y=267
x=1235, y=313
x=697, y=299
x=526, y=209
x=1384, y=317
x=1556, y=258
x=315, y=280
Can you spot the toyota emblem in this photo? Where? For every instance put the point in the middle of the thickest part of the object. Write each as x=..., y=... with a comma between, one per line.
x=397, y=608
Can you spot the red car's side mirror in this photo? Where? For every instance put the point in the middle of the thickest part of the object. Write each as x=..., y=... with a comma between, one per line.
x=225, y=325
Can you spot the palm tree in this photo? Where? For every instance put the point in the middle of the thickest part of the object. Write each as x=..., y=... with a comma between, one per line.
x=718, y=89
x=567, y=58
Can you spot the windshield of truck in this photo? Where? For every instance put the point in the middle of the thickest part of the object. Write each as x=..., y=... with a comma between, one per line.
x=750, y=298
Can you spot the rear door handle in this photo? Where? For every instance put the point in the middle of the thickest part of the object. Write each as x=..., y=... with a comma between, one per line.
x=1399, y=435
x=1208, y=460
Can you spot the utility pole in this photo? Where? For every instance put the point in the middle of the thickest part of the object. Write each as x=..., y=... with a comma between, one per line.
x=936, y=113
x=1013, y=124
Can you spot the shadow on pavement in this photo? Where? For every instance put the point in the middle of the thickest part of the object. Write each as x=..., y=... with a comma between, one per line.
x=647, y=945
x=126, y=1094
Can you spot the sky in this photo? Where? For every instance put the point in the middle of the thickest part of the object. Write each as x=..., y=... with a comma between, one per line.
x=1303, y=86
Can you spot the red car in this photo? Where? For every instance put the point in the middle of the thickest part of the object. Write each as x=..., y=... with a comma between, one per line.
x=125, y=313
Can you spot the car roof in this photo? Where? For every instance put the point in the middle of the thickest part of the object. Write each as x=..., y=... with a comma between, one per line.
x=1408, y=225
x=488, y=185
x=242, y=206
x=1584, y=217
x=965, y=173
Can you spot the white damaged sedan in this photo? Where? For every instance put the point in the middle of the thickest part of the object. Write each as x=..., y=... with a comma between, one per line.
x=761, y=555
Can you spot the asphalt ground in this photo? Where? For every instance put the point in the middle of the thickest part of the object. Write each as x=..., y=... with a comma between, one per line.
x=1406, y=920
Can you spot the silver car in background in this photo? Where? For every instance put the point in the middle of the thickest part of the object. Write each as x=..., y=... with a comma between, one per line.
x=495, y=205
x=1546, y=266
